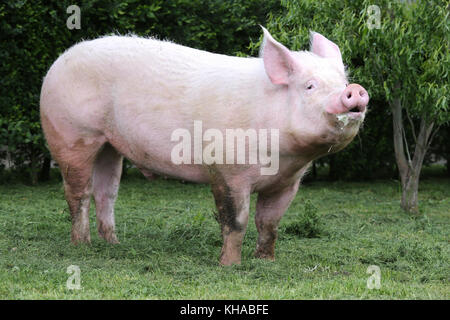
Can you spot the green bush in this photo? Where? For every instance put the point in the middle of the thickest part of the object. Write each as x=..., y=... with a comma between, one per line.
x=307, y=224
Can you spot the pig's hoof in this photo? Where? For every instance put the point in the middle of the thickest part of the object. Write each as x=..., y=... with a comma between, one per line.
x=264, y=255
x=76, y=240
x=226, y=261
x=113, y=240
x=109, y=237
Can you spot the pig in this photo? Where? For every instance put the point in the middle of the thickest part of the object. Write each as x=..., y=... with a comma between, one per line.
x=124, y=96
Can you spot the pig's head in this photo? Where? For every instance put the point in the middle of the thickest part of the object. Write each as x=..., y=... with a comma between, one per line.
x=324, y=110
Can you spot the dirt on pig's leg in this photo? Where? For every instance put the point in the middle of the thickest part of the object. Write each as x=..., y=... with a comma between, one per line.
x=233, y=208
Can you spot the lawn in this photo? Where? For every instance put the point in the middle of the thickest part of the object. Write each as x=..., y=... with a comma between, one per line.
x=170, y=244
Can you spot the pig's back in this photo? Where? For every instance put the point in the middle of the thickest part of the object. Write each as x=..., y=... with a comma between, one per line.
x=115, y=57
x=120, y=70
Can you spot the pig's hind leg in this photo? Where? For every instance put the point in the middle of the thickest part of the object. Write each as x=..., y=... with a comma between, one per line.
x=76, y=164
x=106, y=179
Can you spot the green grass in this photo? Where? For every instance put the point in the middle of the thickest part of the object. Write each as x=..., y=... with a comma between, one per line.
x=170, y=243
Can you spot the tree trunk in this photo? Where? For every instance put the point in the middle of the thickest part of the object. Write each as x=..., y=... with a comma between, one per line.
x=410, y=191
x=409, y=169
x=44, y=175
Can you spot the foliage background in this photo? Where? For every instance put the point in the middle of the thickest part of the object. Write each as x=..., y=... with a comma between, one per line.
x=34, y=33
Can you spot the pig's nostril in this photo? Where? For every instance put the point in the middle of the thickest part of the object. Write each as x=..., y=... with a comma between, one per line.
x=349, y=95
x=362, y=93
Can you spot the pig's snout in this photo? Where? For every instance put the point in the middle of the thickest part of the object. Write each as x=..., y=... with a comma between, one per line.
x=355, y=98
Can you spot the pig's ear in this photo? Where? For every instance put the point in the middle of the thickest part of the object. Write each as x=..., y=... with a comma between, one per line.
x=278, y=61
x=324, y=47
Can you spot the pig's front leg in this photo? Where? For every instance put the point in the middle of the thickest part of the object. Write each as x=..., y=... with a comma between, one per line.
x=233, y=207
x=270, y=207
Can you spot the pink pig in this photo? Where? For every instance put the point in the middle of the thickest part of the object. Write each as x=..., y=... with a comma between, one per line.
x=117, y=97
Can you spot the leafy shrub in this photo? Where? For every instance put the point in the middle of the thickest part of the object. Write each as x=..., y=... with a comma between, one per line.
x=307, y=224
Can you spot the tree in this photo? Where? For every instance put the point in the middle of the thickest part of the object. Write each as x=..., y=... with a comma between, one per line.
x=404, y=62
x=413, y=67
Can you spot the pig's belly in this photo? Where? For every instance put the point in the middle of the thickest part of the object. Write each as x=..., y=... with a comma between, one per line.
x=148, y=146
x=194, y=173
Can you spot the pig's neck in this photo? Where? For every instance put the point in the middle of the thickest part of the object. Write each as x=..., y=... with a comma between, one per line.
x=291, y=169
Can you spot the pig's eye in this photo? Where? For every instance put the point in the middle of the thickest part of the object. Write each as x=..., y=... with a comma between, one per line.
x=310, y=85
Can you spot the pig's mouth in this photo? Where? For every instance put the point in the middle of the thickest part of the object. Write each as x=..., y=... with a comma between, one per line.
x=353, y=116
x=357, y=109
x=355, y=113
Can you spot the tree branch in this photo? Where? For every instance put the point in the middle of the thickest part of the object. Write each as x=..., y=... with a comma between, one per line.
x=422, y=144
x=406, y=146
x=432, y=136
x=398, y=138
x=413, y=129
